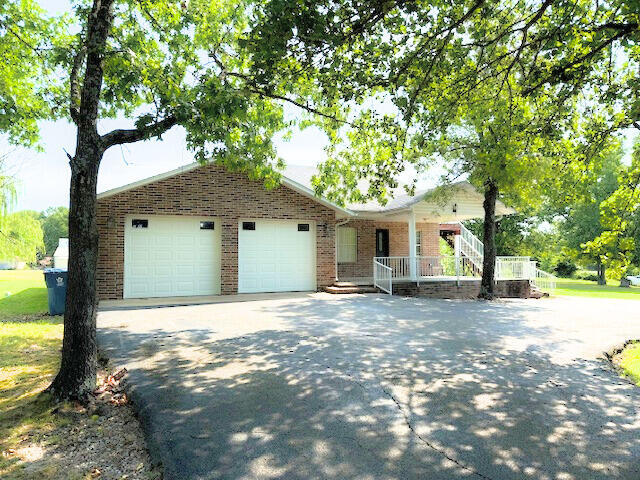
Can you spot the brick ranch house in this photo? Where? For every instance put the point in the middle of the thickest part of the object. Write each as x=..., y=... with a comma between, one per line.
x=202, y=230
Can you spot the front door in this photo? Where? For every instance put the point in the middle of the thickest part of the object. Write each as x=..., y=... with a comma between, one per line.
x=382, y=242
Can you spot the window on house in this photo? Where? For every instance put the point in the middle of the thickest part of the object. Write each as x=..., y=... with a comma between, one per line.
x=207, y=225
x=418, y=243
x=303, y=227
x=347, y=245
x=139, y=223
x=248, y=225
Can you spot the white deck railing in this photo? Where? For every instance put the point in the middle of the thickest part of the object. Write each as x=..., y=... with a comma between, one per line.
x=430, y=267
x=544, y=281
x=514, y=268
x=386, y=270
x=383, y=277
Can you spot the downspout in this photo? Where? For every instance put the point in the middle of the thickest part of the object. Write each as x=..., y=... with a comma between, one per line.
x=338, y=224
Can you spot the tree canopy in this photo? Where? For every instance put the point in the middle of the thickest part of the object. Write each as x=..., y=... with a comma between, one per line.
x=21, y=237
x=28, y=90
x=55, y=224
x=615, y=245
x=395, y=53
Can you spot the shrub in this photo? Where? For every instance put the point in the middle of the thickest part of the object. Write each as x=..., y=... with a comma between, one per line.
x=586, y=275
x=565, y=268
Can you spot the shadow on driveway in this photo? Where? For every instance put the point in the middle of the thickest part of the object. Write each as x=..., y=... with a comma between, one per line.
x=371, y=387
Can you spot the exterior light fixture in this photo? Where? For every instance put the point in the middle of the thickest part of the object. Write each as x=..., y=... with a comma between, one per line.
x=455, y=207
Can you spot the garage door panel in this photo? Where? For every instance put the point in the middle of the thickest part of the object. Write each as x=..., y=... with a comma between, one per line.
x=139, y=288
x=163, y=241
x=268, y=268
x=171, y=257
x=276, y=257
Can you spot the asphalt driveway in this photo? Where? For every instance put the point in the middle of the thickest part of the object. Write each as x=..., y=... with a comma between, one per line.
x=379, y=387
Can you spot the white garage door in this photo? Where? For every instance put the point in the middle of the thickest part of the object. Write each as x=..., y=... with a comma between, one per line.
x=171, y=256
x=276, y=256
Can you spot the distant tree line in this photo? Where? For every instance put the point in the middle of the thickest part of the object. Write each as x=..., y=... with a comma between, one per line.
x=29, y=236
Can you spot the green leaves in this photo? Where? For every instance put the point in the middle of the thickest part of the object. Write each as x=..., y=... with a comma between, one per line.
x=21, y=236
x=28, y=86
x=618, y=216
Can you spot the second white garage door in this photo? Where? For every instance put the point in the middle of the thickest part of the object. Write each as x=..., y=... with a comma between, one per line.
x=276, y=256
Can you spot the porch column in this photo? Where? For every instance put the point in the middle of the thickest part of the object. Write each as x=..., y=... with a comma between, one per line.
x=412, y=246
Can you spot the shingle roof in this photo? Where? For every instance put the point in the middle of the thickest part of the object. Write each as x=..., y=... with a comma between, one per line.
x=401, y=200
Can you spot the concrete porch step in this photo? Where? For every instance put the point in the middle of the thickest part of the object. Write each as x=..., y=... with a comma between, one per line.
x=535, y=292
x=347, y=284
x=347, y=287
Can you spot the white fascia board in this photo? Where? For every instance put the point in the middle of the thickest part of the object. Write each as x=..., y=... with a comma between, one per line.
x=307, y=192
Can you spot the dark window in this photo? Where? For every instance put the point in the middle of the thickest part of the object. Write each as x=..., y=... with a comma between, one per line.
x=303, y=227
x=139, y=223
x=207, y=225
x=248, y=225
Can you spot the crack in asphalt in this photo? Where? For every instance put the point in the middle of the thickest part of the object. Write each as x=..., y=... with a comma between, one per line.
x=409, y=425
x=427, y=442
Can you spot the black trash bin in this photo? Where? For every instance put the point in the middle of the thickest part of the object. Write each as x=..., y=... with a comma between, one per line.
x=56, y=280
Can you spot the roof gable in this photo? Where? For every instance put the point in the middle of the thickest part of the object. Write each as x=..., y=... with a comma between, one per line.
x=287, y=182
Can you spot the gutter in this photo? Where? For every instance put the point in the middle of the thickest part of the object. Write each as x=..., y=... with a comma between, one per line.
x=339, y=224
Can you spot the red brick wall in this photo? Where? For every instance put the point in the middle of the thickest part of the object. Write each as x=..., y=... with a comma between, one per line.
x=398, y=244
x=208, y=191
x=466, y=289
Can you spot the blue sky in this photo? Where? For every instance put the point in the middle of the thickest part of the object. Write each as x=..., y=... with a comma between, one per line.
x=43, y=177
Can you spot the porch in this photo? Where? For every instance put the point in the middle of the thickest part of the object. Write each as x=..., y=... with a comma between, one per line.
x=403, y=245
x=511, y=274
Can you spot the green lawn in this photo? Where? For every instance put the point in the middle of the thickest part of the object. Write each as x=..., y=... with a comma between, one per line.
x=30, y=342
x=585, y=288
x=22, y=292
x=630, y=362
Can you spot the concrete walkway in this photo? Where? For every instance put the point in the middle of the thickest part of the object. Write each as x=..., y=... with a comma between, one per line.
x=380, y=387
x=163, y=302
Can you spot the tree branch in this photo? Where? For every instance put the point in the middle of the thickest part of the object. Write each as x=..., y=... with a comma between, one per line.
x=254, y=88
x=118, y=137
x=406, y=64
x=22, y=40
x=561, y=72
x=74, y=89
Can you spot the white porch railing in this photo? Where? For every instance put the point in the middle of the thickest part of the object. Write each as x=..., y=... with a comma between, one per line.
x=427, y=267
x=473, y=241
x=514, y=268
x=469, y=240
x=386, y=270
x=447, y=266
x=544, y=281
x=399, y=266
x=382, y=277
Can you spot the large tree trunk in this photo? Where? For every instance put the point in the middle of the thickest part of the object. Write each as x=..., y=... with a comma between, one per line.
x=77, y=376
x=487, y=287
